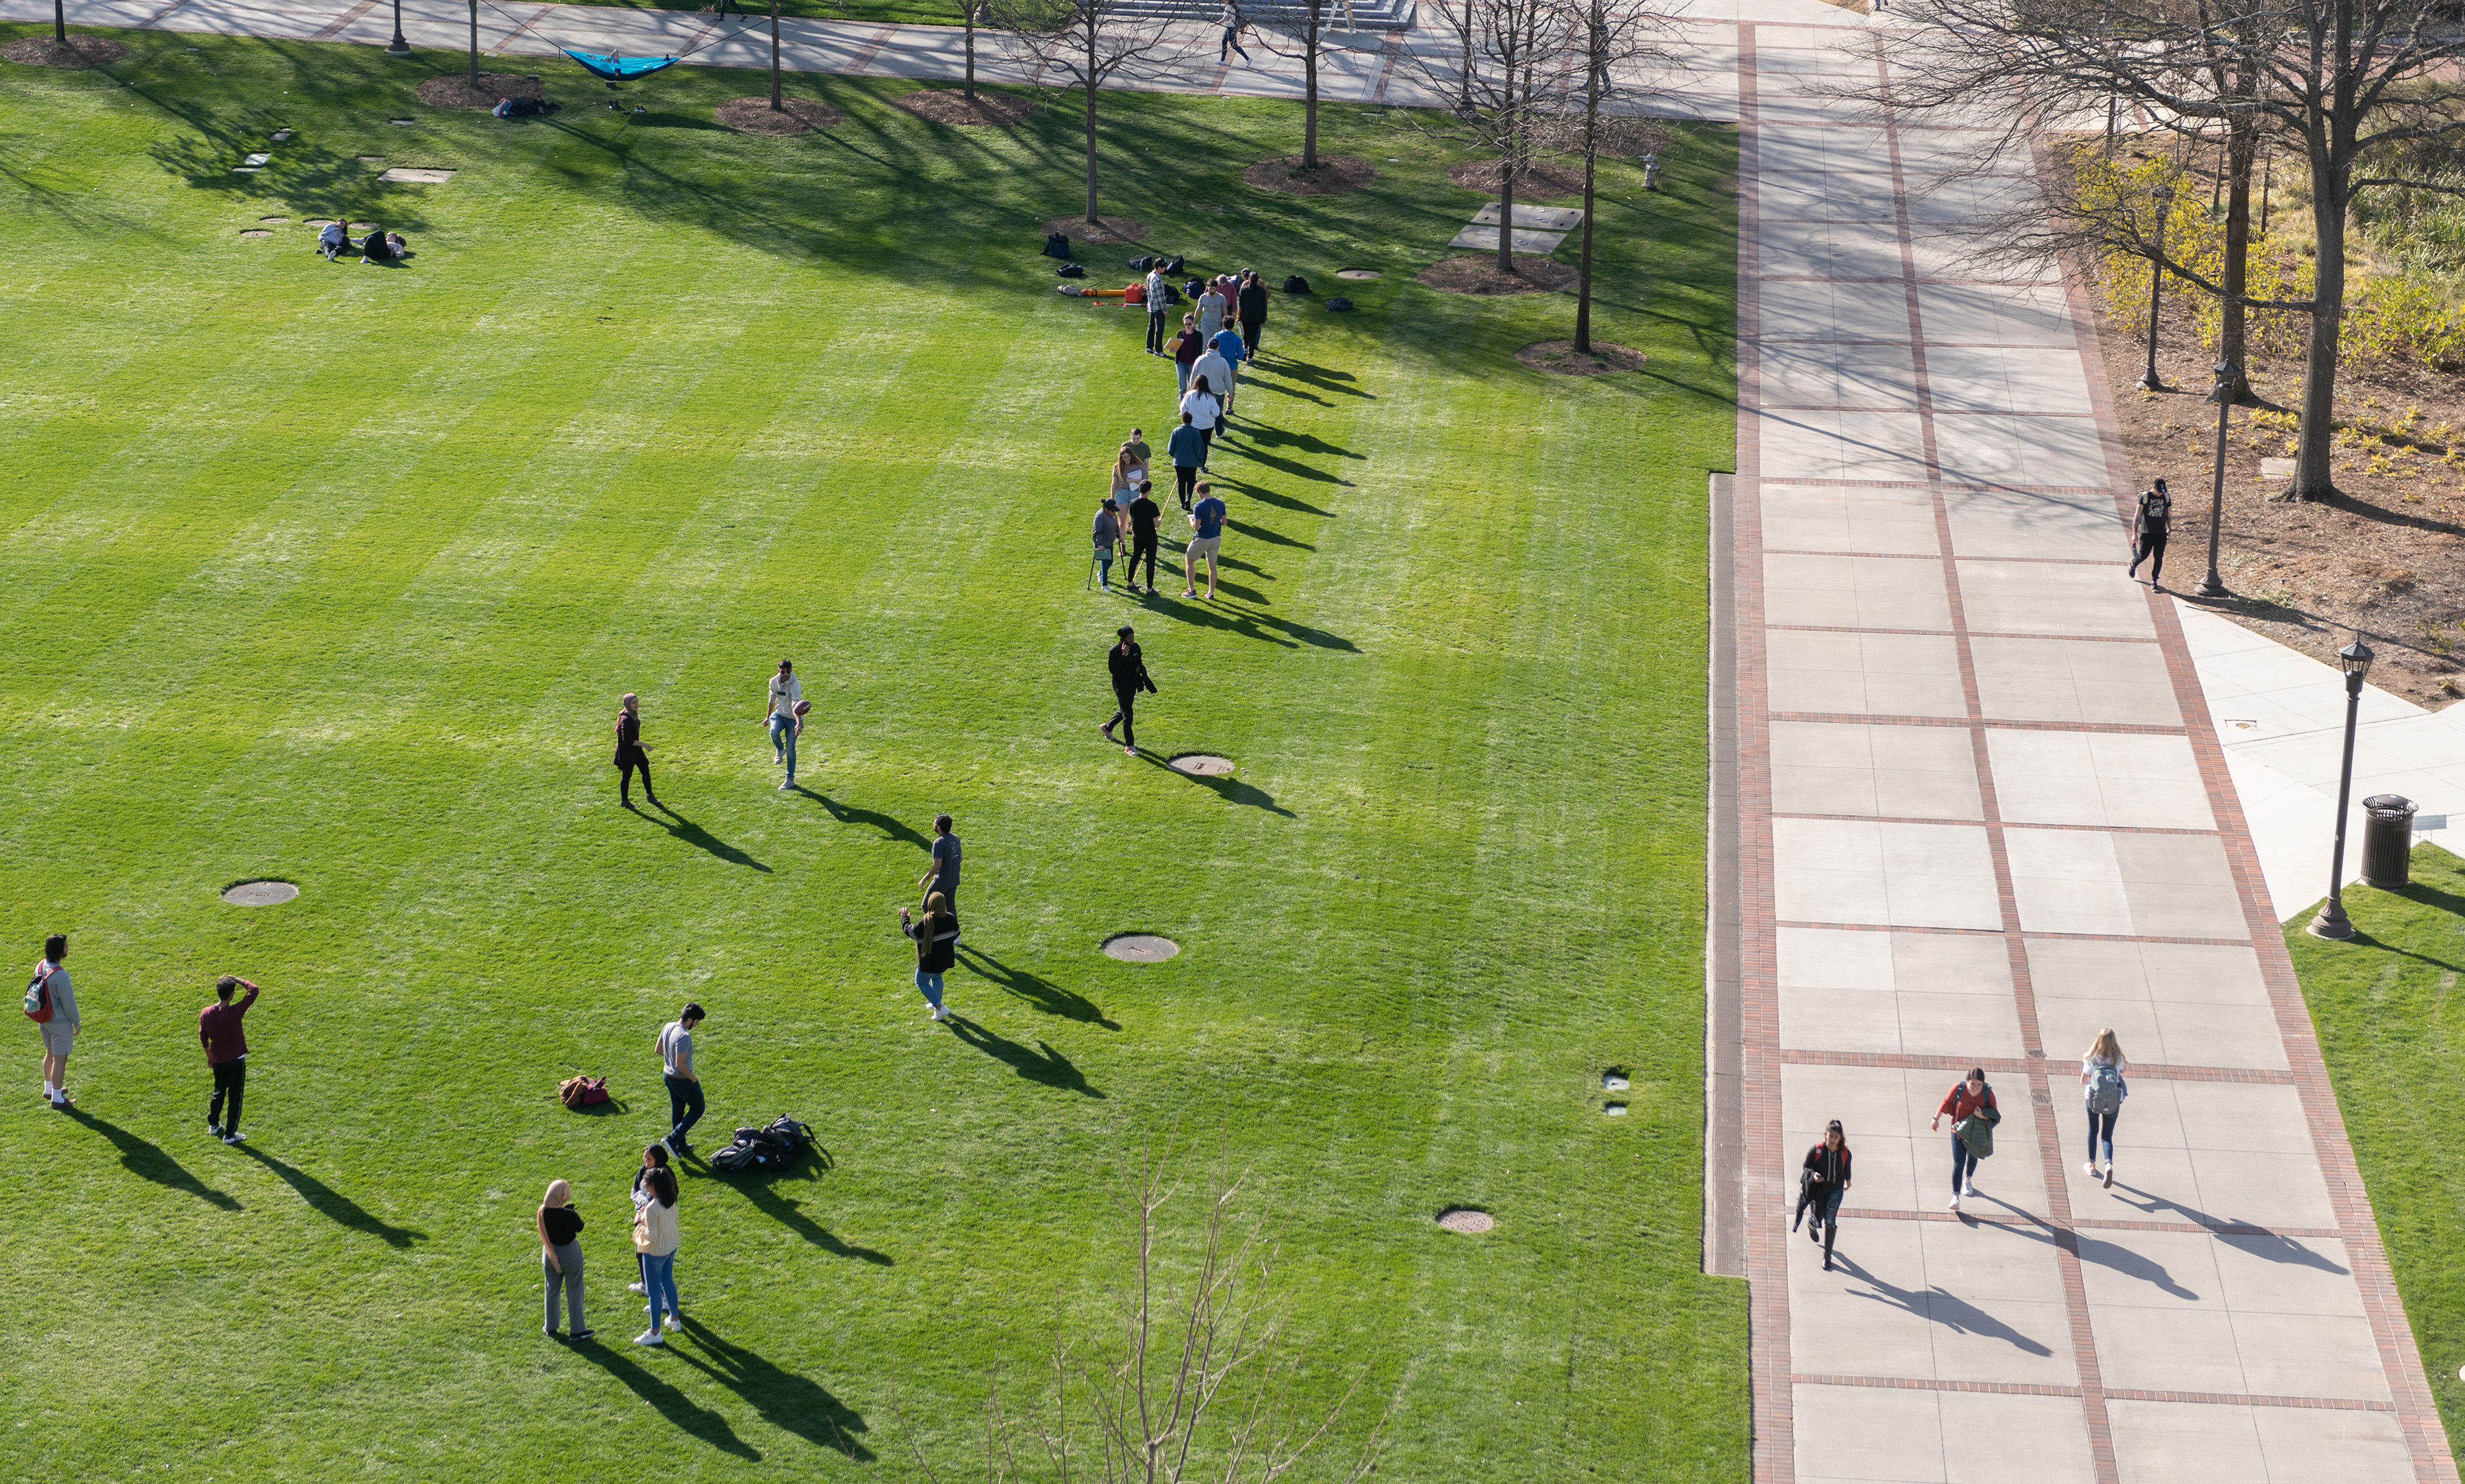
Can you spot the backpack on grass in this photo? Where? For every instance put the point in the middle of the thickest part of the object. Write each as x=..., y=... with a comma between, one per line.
x=1057, y=244
x=580, y=1093
x=1070, y=271
x=1296, y=284
x=764, y=1151
x=39, y=994
x=1338, y=303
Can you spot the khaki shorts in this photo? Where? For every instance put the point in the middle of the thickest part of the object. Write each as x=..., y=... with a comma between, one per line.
x=1205, y=546
x=57, y=1037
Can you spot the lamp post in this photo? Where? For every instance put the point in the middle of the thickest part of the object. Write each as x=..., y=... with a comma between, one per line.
x=397, y=47
x=2212, y=586
x=2355, y=659
x=2148, y=380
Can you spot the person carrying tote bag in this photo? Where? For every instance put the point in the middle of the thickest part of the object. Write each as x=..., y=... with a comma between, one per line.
x=1972, y=1107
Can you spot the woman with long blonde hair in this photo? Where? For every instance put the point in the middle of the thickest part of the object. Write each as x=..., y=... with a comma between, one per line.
x=2102, y=1089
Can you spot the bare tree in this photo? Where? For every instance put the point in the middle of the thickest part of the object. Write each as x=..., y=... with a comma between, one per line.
x=1506, y=75
x=1306, y=24
x=1625, y=36
x=2368, y=92
x=1085, y=43
x=1200, y=1381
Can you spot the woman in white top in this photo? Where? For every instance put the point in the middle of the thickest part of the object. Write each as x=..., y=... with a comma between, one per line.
x=1200, y=403
x=655, y=1239
x=2102, y=1090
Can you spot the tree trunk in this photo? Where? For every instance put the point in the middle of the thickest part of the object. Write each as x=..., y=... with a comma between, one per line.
x=1309, y=86
x=60, y=21
x=1591, y=159
x=2233, y=345
x=967, y=89
x=474, y=43
x=1087, y=19
x=775, y=57
x=2312, y=478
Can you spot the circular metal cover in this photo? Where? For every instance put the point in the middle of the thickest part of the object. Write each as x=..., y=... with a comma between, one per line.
x=260, y=894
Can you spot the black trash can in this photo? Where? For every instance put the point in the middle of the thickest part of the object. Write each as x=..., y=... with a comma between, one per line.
x=2387, y=840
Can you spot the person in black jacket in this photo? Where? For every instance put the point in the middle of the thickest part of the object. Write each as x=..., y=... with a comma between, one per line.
x=1252, y=304
x=632, y=752
x=1826, y=1180
x=2149, y=526
x=1129, y=667
x=937, y=948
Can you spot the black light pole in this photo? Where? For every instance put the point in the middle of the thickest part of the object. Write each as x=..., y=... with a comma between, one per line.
x=2212, y=586
x=2148, y=381
x=474, y=43
x=2355, y=659
x=397, y=47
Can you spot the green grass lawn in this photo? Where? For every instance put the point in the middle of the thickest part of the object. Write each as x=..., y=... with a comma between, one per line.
x=2391, y=1025
x=334, y=573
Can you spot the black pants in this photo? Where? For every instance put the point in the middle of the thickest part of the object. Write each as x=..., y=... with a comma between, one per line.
x=2151, y=549
x=625, y=779
x=684, y=1107
x=1185, y=480
x=2101, y=1126
x=1143, y=548
x=230, y=1077
x=1121, y=718
x=1249, y=330
x=1964, y=1163
x=1155, y=331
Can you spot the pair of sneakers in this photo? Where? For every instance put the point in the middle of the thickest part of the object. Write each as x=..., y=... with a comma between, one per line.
x=938, y=1013
x=2091, y=1170
x=229, y=1136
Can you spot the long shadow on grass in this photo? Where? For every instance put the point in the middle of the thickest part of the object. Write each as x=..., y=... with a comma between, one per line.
x=1231, y=791
x=670, y=1402
x=790, y=1214
x=331, y=1203
x=1253, y=626
x=784, y=1399
x=148, y=1161
x=1271, y=537
x=701, y=839
x=1324, y=378
x=1052, y=1068
x=1267, y=497
x=1035, y=988
x=848, y=814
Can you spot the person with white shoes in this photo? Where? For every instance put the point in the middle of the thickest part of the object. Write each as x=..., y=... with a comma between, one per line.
x=654, y=1157
x=223, y=1033
x=683, y=1079
x=655, y=1239
x=51, y=1003
x=937, y=948
x=2102, y=1089
x=1967, y=1099
x=785, y=718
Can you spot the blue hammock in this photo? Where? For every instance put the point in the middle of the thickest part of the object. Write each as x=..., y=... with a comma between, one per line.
x=617, y=69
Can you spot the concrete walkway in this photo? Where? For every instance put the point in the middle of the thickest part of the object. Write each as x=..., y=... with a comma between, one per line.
x=1983, y=812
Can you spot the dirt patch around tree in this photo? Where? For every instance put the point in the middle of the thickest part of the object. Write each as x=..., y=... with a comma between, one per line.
x=794, y=115
x=75, y=52
x=1114, y=228
x=457, y=91
x=1480, y=276
x=949, y=105
x=1335, y=175
x=1535, y=181
x=1558, y=358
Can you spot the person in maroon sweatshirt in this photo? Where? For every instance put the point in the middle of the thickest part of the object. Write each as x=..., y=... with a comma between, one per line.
x=225, y=1039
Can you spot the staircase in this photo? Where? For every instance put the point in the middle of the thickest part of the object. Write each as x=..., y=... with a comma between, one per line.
x=1366, y=14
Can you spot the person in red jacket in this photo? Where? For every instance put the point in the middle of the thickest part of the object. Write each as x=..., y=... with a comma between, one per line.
x=220, y=1031
x=1963, y=1099
x=1826, y=1180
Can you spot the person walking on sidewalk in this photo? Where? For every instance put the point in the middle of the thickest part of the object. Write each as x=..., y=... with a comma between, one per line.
x=1823, y=1181
x=1157, y=310
x=50, y=990
x=1205, y=540
x=1968, y=1098
x=656, y=1239
x=2150, y=526
x=684, y=1080
x=942, y=875
x=2102, y=1089
x=632, y=752
x=225, y=1039
x=1187, y=447
x=1253, y=303
x=785, y=718
x=937, y=947
x=1128, y=666
x=559, y=1234
x=1233, y=23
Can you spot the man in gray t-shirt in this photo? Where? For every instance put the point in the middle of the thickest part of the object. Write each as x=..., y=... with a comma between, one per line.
x=684, y=1080
x=943, y=875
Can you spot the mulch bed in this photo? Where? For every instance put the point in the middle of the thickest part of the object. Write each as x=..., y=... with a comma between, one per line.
x=457, y=91
x=1537, y=180
x=794, y=116
x=1114, y=228
x=79, y=52
x=950, y=105
x=1558, y=358
x=1335, y=175
x=1480, y=276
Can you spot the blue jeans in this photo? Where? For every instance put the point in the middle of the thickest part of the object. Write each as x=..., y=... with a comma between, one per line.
x=2102, y=1124
x=660, y=1284
x=685, y=1105
x=1964, y=1163
x=1181, y=370
x=931, y=984
x=783, y=741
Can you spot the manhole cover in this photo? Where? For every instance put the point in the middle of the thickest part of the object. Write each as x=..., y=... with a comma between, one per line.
x=1141, y=948
x=1357, y=273
x=260, y=894
x=1466, y=1221
x=274, y=218
x=1203, y=765
x=256, y=232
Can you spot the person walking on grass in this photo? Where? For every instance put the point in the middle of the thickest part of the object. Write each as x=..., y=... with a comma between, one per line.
x=936, y=935
x=1128, y=667
x=1252, y=302
x=1218, y=373
x=1186, y=347
x=1205, y=539
x=655, y=1240
x=1187, y=447
x=1157, y=310
x=221, y=1031
x=1144, y=512
x=2149, y=525
x=1968, y=1098
x=684, y=1078
x=632, y=752
x=1234, y=23
x=785, y=718
x=1227, y=344
x=654, y=1157
x=1108, y=534
x=559, y=1234
x=942, y=875
x=51, y=1001
x=2102, y=1089
x=1212, y=307
x=1200, y=406
x=1824, y=1180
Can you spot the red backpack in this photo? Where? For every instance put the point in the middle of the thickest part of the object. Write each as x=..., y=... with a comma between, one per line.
x=38, y=993
x=582, y=1091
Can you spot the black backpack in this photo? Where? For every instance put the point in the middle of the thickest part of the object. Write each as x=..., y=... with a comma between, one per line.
x=764, y=1151
x=1172, y=265
x=1296, y=284
x=1338, y=303
x=1070, y=271
x=1143, y=264
x=1057, y=245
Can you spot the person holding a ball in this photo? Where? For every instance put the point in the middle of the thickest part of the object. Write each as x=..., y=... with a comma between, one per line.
x=787, y=719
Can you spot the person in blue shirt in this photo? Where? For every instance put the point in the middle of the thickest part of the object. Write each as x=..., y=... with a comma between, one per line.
x=1226, y=343
x=1187, y=447
x=1207, y=535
